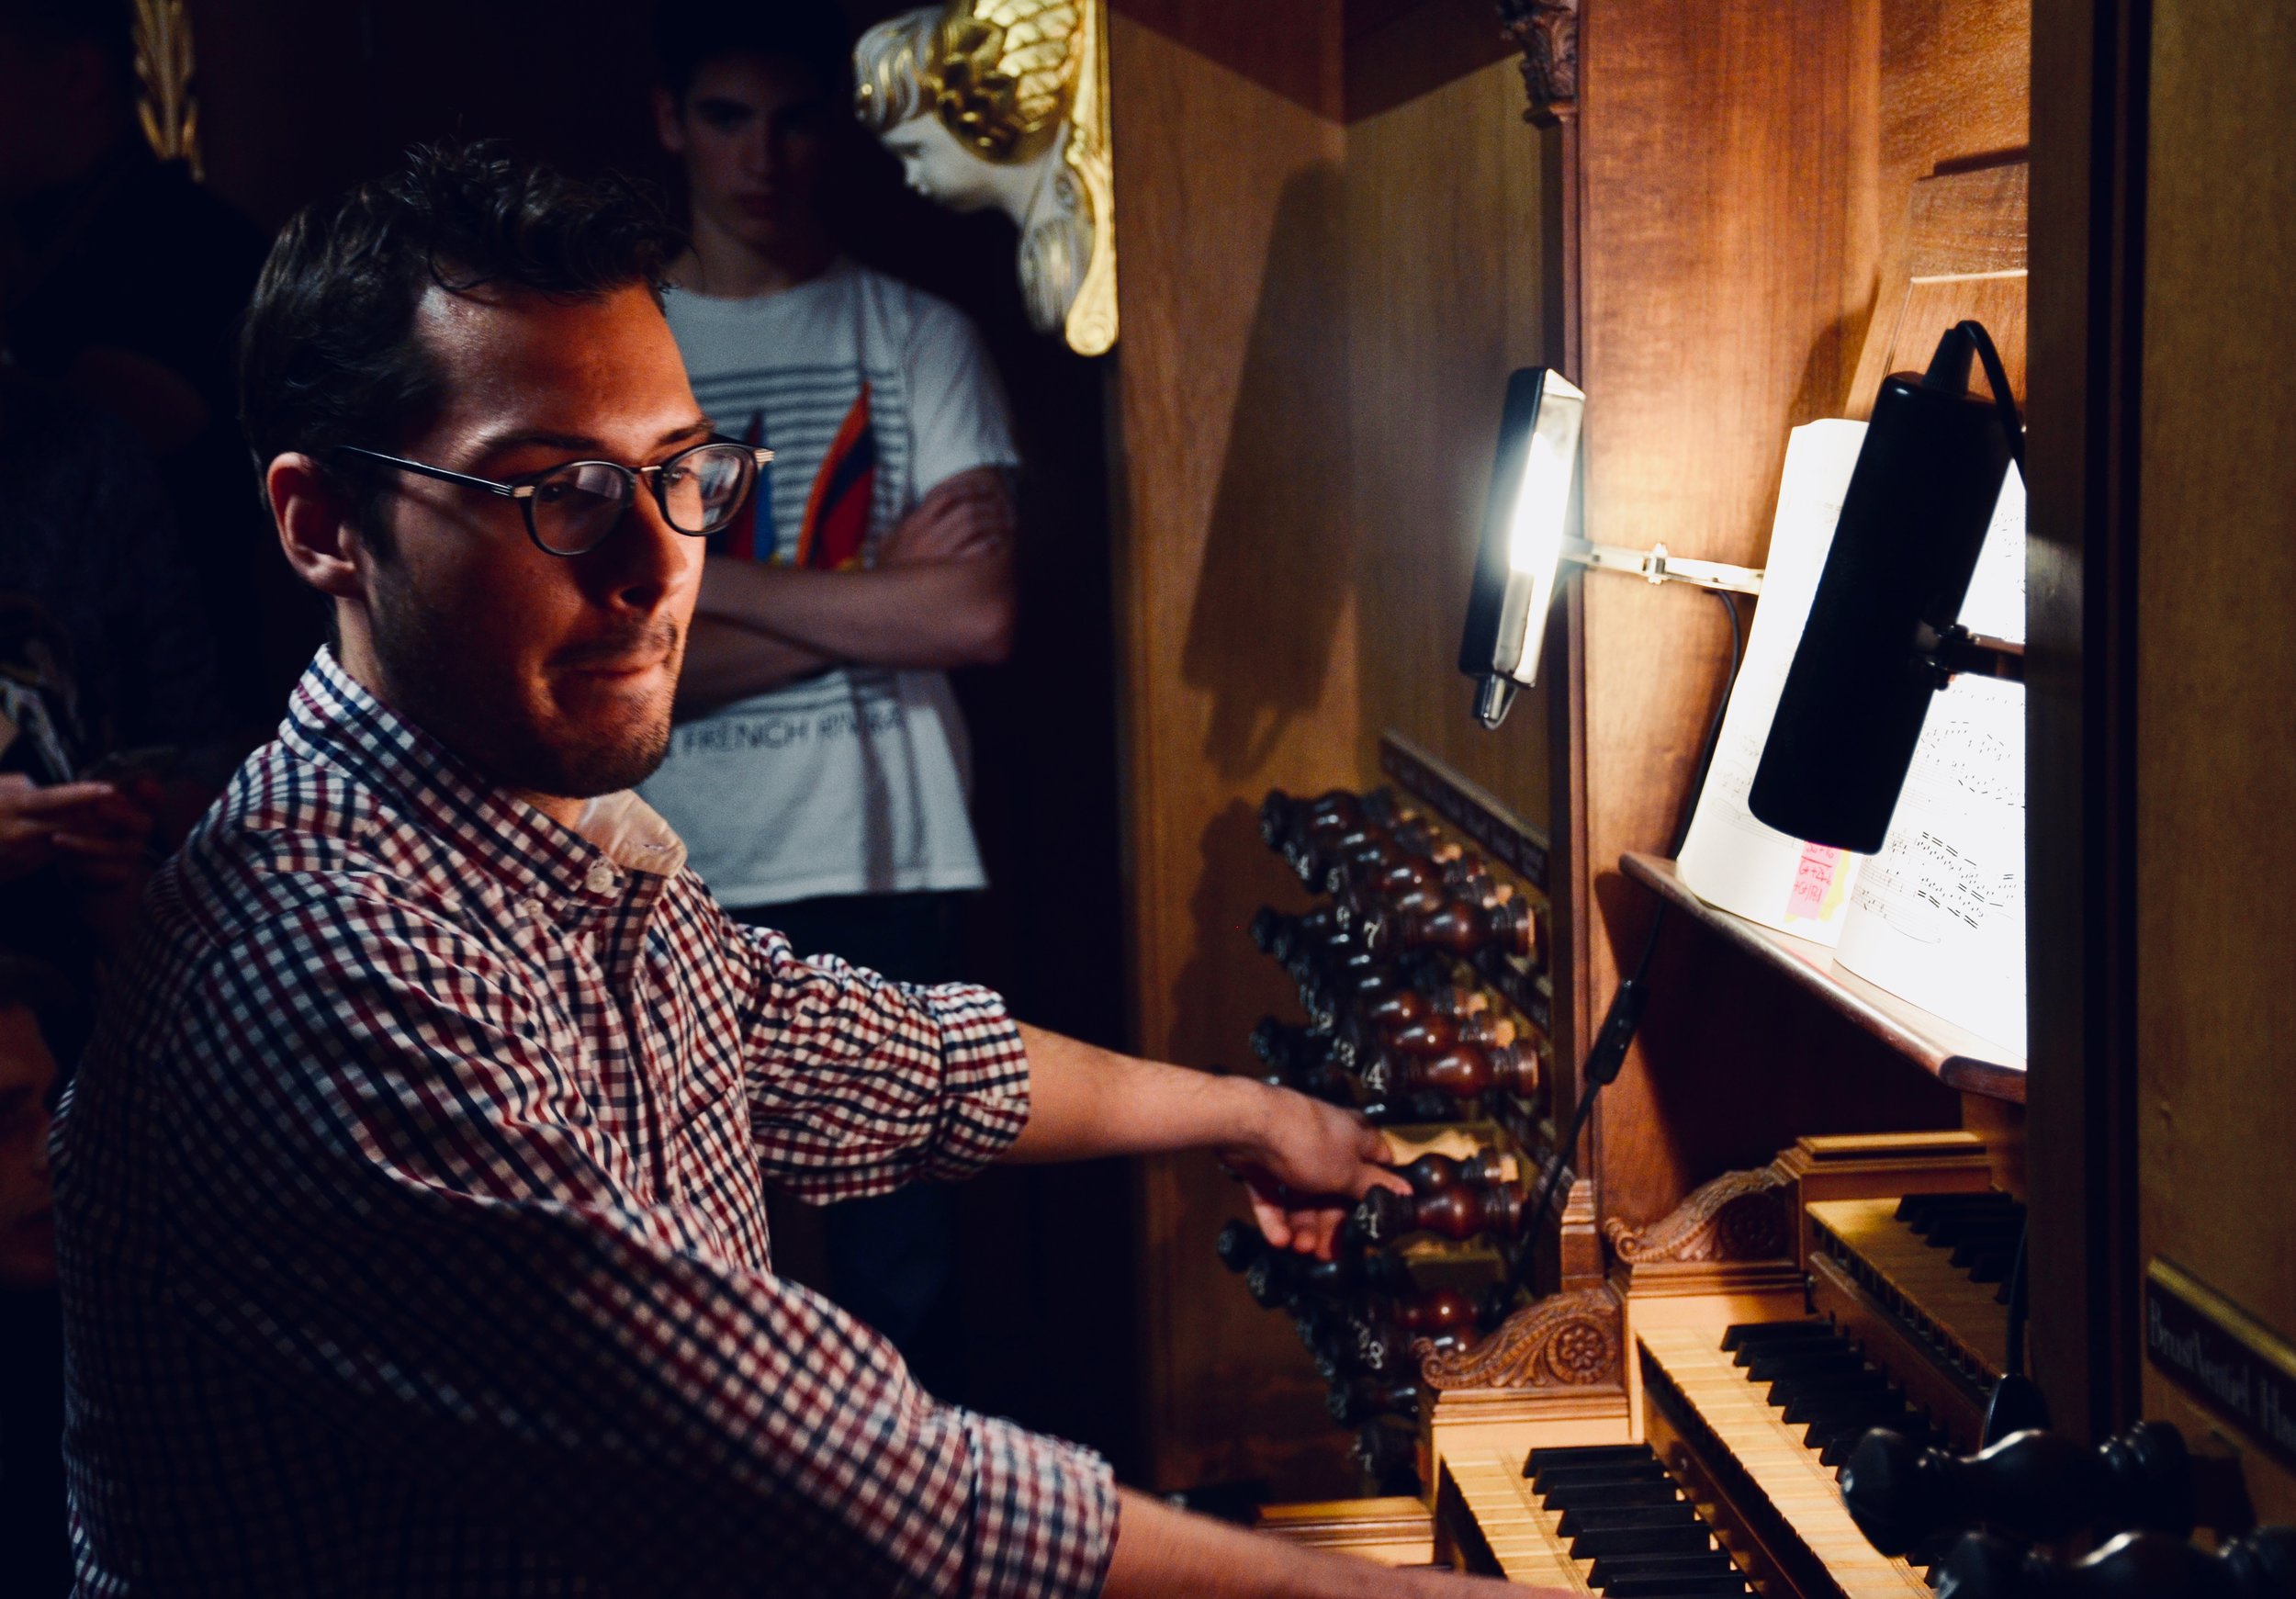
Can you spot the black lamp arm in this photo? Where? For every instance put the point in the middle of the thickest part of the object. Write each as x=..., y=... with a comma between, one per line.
x=1959, y=650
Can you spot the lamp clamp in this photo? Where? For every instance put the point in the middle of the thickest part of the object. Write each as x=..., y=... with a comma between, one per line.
x=1659, y=565
x=1946, y=654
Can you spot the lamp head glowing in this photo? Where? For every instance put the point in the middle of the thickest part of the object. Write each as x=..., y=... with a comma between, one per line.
x=1531, y=513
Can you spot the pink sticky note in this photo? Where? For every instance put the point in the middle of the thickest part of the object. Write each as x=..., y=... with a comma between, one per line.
x=1812, y=875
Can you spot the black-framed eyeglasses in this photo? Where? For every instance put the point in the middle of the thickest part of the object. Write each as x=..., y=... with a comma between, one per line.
x=573, y=509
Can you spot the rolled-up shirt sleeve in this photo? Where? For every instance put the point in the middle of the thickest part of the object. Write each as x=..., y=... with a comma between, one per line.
x=858, y=1084
x=398, y=1205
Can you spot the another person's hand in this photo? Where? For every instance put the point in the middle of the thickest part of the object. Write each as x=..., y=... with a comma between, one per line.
x=1305, y=1167
x=101, y=842
x=39, y=825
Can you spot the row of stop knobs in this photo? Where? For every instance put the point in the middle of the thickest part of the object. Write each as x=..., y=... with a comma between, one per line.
x=1390, y=970
x=1391, y=1031
x=1395, y=883
x=1366, y=1315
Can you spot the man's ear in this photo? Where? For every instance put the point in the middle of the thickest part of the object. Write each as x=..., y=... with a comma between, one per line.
x=314, y=523
x=669, y=123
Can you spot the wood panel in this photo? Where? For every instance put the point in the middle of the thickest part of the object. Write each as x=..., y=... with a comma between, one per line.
x=1292, y=47
x=1444, y=198
x=1964, y=257
x=2086, y=249
x=1727, y=167
x=1399, y=49
x=2217, y=672
x=1951, y=92
x=1235, y=587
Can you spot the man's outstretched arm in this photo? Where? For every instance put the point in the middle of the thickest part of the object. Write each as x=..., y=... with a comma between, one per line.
x=1163, y=1553
x=1304, y=1162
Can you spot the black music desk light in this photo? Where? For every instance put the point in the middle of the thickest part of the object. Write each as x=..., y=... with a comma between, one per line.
x=1530, y=528
x=1882, y=635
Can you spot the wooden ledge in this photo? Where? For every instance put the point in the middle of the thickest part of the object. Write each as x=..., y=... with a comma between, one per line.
x=1960, y=1059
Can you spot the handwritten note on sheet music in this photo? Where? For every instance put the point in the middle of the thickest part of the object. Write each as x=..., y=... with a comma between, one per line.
x=1938, y=917
x=1730, y=859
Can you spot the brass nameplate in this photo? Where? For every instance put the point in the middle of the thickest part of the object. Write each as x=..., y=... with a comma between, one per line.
x=2233, y=1365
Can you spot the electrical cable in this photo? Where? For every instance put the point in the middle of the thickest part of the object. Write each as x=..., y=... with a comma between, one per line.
x=1996, y=379
x=1608, y=1053
x=2013, y=1361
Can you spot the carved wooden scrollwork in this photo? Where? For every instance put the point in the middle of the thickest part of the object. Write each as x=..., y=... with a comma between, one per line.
x=1547, y=33
x=1573, y=1340
x=1738, y=1216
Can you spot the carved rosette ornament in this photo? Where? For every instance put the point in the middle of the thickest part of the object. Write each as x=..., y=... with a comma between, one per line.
x=1573, y=1340
x=1740, y=1216
x=1546, y=31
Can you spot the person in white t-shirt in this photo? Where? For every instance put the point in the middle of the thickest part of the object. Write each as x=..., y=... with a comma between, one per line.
x=819, y=771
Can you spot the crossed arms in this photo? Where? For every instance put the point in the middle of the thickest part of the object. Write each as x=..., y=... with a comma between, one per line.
x=941, y=595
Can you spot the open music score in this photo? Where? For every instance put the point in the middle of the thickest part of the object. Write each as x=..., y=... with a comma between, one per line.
x=1959, y=1057
x=1937, y=916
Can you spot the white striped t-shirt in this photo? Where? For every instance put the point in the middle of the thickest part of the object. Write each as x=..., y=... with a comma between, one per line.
x=854, y=782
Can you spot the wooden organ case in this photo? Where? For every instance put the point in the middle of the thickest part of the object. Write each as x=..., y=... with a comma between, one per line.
x=1790, y=1218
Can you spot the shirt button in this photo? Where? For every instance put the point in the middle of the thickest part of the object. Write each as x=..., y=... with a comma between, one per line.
x=602, y=878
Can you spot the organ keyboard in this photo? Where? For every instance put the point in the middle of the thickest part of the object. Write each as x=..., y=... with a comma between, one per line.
x=1766, y=1453
x=1746, y=1423
x=1601, y=1519
x=1865, y=1292
x=1921, y=1283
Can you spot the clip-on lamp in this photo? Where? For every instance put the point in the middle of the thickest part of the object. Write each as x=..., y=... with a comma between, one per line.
x=1530, y=524
x=1882, y=635
x=1530, y=528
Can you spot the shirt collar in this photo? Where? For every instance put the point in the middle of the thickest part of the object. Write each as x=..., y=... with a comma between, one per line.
x=333, y=718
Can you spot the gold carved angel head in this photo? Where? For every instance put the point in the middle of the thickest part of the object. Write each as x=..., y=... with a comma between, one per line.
x=999, y=74
x=1004, y=104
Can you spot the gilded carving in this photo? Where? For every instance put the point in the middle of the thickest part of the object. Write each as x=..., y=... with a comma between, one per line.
x=164, y=105
x=1003, y=105
x=1571, y=1340
x=1547, y=33
x=1738, y=1216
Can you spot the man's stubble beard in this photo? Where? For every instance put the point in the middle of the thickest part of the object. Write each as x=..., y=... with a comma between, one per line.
x=490, y=729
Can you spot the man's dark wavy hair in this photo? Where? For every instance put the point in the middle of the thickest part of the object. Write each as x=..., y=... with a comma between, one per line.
x=329, y=354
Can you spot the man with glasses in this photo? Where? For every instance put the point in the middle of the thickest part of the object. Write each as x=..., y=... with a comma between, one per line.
x=410, y=1204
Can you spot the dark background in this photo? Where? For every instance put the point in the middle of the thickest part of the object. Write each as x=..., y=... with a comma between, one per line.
x=297, y=100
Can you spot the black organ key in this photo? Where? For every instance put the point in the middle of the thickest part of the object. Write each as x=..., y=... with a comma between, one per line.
x=1600, y=1518
x=1551, y=1479
x=1685, y=1587
x=1815, y=1343
x=1714, y=1565
x=1804, y=1360
x=1837, y=1396
x=1756, y=1335
x=1622, y=1512
x=1688, y=1539
x=1574, y=1457
x=1605, y=1499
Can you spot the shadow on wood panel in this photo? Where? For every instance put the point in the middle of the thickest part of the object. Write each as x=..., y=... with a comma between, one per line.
x=1277, y=572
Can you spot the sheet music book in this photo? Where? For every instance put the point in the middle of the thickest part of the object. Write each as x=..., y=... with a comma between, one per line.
x=1728, y=859
x=1938, y=916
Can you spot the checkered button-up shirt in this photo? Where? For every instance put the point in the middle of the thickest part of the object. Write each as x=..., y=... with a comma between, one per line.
x=412, y=1229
